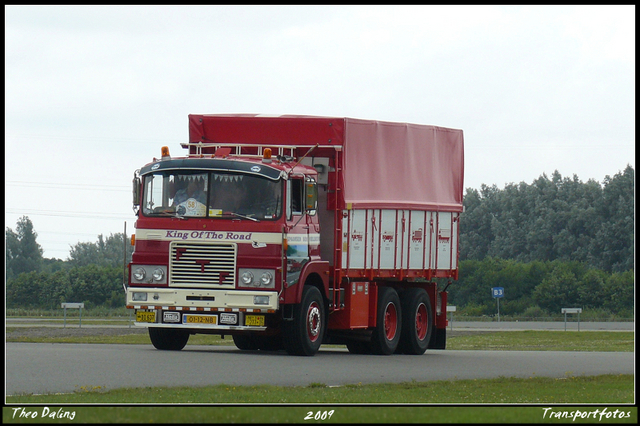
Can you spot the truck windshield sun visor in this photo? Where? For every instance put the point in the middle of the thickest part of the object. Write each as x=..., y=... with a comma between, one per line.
x=211, y=194
x=212, y=164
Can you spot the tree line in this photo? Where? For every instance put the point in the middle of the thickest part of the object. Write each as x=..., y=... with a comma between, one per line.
x=541, y=288
x=551, y=244
x=94, y=273
x=553, y=219
x=554, y=243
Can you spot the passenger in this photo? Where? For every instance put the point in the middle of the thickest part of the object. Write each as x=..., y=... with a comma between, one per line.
x=191, y=191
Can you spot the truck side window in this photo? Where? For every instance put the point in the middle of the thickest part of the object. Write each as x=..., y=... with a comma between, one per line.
x=295, y=196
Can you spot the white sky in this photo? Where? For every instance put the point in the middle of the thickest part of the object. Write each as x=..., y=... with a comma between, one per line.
x=93, y=92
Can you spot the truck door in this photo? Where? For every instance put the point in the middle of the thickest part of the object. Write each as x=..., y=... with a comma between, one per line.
x=297, y=230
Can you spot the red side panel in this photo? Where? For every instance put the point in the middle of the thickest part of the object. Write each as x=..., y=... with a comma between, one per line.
x=265, y=130
x=403, y=166
x=384, y=165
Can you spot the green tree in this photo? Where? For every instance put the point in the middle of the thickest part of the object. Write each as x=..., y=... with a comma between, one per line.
x=559, y=290
x=23, y=253
x=105, y=252
x=619, y=292
x=591, y=289
x=614, y=242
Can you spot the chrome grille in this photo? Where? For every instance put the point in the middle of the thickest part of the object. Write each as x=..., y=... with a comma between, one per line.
x=202, y=265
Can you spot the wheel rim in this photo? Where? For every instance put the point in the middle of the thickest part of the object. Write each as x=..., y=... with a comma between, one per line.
x=313, y=322
x=422, y=322
x=390, y=321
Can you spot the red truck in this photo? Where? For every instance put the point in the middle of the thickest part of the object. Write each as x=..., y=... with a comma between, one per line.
x=287, y=232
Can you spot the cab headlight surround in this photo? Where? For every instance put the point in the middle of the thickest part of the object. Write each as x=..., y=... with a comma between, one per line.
x=149, y=274
x=257, y=278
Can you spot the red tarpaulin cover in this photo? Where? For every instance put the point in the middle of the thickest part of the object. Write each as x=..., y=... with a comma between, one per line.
x=385, y=165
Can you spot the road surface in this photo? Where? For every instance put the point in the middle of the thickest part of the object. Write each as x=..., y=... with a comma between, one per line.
x=41, y=368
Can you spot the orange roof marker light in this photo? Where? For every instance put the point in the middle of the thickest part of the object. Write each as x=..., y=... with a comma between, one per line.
x=266, y=156
x=165, y=153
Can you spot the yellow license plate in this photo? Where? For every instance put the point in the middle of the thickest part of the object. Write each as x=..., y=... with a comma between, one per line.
x=255, y=320
x=200, y=319
x=145, y=316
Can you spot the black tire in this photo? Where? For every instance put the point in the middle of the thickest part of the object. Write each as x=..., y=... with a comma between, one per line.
x=244, y=342
x=303, y=335
x=417, y=321
x=168, y=339
x=358, y=347
x=386, y=334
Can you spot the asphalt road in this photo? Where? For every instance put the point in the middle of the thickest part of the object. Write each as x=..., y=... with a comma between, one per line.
x=40, y=368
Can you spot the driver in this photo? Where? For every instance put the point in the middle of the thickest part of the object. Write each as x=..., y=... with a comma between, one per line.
x=191, y=191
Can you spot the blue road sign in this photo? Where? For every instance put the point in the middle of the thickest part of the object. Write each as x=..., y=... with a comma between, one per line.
x=497, y=292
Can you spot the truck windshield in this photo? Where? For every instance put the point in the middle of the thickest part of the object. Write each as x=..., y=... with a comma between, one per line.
x=211, y=194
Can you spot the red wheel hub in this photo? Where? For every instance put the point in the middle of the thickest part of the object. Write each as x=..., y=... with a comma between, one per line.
x=390, y=321
x=422, y=322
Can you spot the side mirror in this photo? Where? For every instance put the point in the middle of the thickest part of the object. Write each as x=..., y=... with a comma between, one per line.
x=136, y=189
x=311, y=197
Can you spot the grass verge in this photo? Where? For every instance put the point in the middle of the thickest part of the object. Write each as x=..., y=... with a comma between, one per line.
x=501, y=400
x=526, y=340
x=604, y=389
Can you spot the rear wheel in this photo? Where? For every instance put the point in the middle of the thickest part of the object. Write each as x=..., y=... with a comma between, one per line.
x=386, y=335
x=168, y=339
x=303, y=335
x=417, y=321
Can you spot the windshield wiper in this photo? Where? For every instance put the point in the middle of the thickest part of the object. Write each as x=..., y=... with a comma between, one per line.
x=242, y=216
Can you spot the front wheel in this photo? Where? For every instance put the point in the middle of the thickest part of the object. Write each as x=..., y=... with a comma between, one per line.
x=168, y=339
x=303, y=334
x=386, y=335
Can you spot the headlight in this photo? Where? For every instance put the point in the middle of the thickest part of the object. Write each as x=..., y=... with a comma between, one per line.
x=139, y=274
x=246, y=278
x=266, y=278
x=158, y=274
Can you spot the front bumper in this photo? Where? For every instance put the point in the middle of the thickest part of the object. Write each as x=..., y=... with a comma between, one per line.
x=202, y=309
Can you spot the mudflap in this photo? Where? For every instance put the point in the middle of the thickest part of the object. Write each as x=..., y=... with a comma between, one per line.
x=438, y=339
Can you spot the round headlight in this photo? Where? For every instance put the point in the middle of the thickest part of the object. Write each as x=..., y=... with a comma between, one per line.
x=246, y=278
x=266, y=278
x=139, y=274
x=158, y=274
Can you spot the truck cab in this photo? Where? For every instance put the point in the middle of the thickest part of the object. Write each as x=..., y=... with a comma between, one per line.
x=221, y=242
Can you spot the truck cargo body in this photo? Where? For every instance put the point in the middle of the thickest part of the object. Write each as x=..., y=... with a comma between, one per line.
x=365, y=227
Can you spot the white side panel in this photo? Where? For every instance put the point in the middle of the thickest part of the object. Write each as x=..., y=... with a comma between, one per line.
x=355, y=231
x=399, y=239
x=454, y=241
x=444, y=240
x=432, y=242
x=417, y=236
x=388, y=238
x=403, y=239
x=373, y=240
